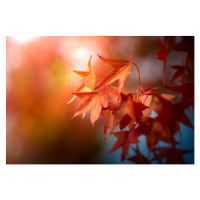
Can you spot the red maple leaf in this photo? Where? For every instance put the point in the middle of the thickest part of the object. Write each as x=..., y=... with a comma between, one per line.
x=139, y=158
x=177, y=110
x=134, y=109
x=180, y=73
x=138, y=111
x=124, y=139
x=120, y=105
x=165, y=50
x=172, y=155
x=187, y=91
x=155, y=129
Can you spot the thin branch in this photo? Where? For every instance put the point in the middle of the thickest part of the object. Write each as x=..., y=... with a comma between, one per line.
x=157, y=157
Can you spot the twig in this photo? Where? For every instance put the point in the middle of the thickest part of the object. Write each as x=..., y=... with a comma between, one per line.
x=157, y=157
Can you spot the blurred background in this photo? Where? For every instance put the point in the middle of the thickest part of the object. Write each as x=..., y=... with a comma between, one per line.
x=40, y=81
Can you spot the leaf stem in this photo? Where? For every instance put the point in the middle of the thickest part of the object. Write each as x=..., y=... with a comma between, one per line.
x=164, y=73
x=139, y=80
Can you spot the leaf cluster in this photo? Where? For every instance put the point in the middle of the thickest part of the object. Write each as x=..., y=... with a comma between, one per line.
x=133, y=109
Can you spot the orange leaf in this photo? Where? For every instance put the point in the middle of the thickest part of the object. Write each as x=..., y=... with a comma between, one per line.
x=93, y=101
x=107, y=115
x=81, y=75
x=82, y=88
x=88, y=79
x=121, y=70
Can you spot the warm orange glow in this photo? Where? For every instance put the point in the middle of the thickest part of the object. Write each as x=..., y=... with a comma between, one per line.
x=40, y=82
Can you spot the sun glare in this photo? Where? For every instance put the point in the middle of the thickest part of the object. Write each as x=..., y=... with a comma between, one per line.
x=81, y=57
x=24, y=38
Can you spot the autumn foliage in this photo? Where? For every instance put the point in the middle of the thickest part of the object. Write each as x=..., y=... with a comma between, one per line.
x=133, y=110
